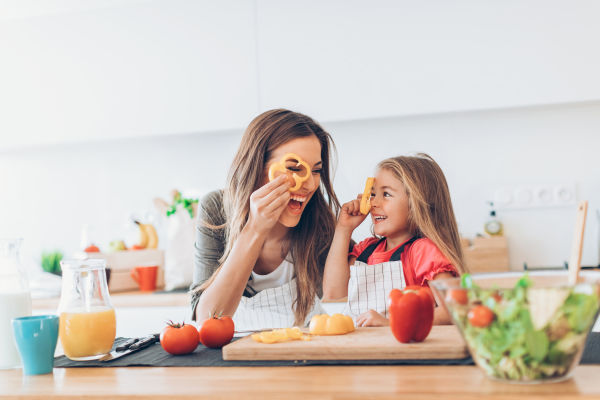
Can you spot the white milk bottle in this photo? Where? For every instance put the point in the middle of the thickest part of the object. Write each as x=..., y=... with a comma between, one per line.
x=15, y=300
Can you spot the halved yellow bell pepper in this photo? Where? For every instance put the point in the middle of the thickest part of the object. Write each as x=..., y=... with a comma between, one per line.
x=336, y=324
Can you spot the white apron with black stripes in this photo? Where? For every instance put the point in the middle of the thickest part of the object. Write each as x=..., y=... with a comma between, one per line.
x=370, y=285
x=271, y=308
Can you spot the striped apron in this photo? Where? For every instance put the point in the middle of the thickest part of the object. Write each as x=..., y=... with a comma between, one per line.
x=271, y=308
x=370, y=285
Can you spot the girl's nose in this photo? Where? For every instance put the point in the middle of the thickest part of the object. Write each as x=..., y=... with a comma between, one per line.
x=374, y=201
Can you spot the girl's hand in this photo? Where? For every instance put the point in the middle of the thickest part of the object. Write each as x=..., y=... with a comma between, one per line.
x=267, y=203
x=350, y=215
x=372, y=318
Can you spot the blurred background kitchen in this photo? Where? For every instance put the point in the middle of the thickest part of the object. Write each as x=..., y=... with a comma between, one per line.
x=108, y=104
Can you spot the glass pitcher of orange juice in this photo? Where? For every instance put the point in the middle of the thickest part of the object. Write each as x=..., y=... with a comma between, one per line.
x=87, y=323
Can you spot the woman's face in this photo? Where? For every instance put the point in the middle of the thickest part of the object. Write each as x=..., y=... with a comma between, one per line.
x=309, y=149
x=389, y=206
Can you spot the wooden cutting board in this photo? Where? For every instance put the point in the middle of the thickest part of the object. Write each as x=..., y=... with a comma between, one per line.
x=444, y=342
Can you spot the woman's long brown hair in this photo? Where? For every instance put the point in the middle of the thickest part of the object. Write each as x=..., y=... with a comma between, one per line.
x=430, y=208
x=309, y=241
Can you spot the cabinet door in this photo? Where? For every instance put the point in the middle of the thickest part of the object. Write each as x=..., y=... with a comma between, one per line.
x=127, y=69
x=355, y=59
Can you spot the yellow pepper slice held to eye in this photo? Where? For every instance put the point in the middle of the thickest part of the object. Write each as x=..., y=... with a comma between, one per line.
x=365, y=200
x=280, y=166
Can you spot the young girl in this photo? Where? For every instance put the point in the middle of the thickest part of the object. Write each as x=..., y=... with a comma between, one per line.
x=415, y=240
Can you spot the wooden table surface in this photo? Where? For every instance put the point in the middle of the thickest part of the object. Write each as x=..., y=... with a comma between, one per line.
x=330, y=382
x=242, y=383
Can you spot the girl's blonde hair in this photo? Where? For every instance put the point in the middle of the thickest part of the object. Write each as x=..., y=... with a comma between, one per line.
x=430, y=208
x=309, y=241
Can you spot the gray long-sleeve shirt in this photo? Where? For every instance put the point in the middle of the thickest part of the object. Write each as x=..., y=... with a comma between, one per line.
x=210, y=244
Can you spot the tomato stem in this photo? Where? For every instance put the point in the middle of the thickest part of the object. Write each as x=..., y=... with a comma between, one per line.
x=175, y=324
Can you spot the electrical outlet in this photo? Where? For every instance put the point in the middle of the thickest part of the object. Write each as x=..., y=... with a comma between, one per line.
x=535, y=196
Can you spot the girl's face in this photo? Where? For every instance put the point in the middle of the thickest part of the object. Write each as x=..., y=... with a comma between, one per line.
x=389, y=206
x=309, y=149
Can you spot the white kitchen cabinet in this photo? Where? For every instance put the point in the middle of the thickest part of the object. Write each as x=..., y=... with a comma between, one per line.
x=102, y=69
x=125, y=69
x=341, y=59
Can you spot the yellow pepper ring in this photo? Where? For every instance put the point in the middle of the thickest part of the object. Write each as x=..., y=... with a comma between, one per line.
x=280, y=166
x=365, y=200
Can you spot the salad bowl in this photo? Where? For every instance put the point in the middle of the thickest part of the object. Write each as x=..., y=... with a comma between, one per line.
x=523, y=327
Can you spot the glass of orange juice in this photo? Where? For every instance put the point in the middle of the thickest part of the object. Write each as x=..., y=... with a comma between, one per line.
x=87, y=323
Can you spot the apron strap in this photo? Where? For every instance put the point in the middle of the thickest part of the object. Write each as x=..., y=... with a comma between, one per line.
x=249, y=290
x=398, y=253
x=364, y=256
x=366, y=253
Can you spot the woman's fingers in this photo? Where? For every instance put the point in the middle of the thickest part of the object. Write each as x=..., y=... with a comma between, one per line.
x=268, y=202
x=278, y=204
x=265, y=190
x=261, y=199
x=274, y=205
x=275, y=193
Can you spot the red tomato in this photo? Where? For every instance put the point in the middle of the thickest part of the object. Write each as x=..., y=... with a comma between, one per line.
x=216, y=331
x=458, y=296
x=497, y=296
x=92, y=249
x=179, y=338
x=480, y=316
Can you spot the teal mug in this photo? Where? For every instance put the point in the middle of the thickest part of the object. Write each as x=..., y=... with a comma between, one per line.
x=36, y=338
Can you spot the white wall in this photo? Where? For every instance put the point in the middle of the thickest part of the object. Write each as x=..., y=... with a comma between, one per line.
x=353, y=59
x=50, y=191
x=483, y=151
x=124, y=69
x=79, y=71
x=96, y=99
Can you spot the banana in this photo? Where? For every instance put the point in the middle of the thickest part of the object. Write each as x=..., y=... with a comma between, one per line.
x=152, y=236
x=148, y=236
x=144, y=238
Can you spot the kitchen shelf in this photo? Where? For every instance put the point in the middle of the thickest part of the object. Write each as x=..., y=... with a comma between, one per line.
x=130, y=299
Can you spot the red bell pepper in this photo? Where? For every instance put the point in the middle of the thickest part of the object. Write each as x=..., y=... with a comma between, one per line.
x=411, y=313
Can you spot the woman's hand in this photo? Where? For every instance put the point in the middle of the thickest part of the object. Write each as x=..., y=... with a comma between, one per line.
x=267, y=203
x=372, y=318
x=350, y=215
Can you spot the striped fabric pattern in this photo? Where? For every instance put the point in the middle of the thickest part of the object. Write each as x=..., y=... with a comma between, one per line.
x=370, y=285
x=270, y=309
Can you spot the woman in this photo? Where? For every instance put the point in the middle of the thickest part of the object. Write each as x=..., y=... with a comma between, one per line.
x=260, y=249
